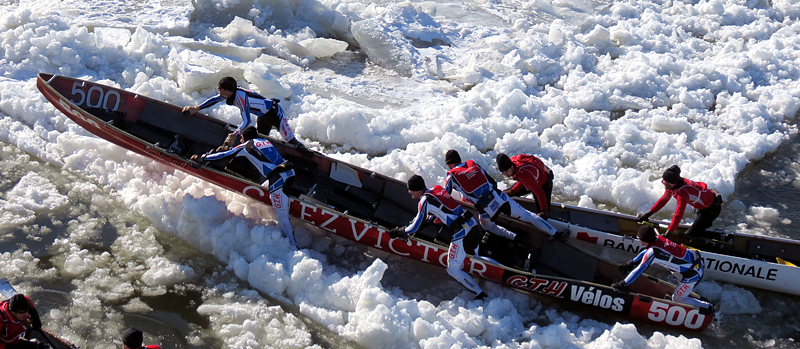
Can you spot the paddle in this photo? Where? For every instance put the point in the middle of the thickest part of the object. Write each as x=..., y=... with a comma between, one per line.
x=8, y=291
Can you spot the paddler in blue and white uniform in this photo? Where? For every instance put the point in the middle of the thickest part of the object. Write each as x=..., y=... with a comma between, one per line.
x=436, y=203
x=273, y=170
x=480, y=189
x=684, y=264
x=268, y=113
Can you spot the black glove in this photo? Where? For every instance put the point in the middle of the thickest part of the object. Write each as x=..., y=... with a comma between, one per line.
x=562, y=236
x=619, y=285
x=36, y=322
x=626, y=267
x=398, y=233
x=643, y=217
x=305, y=152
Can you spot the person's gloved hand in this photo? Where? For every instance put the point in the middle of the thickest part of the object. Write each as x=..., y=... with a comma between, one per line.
x=643, y=217
x=544, y=214
x=562, y=236
x=36, y=322
x=619, y=285
x=398, y=233
x=305, y=152
x=189, y=110
x=626, y=267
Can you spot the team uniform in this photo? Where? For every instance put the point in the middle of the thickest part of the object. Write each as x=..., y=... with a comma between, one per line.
x=436, y=202
x=11, y=329
x=272, y=169
x=481, y=190
x=685, y=264
x=707, y=201
x=267, y=112
x=532, y=175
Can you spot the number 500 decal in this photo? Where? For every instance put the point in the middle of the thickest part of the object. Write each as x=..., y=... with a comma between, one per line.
x=675, y=315
x=102, y=99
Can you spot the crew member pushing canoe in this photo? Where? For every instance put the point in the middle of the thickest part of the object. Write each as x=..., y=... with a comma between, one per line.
x=707, y=201
x=532, y=176
x=257, y=159
x=16, y=314
x=436, y=203
x=480, y=189
x=684, y=264
x=267, y=112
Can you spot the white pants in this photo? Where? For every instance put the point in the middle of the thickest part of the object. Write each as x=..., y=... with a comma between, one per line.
x=517, y=212
x=455, y=260
x=524, y=215
x=280, y=202
x=686, y=286
x=681, y=295
x=488, y=225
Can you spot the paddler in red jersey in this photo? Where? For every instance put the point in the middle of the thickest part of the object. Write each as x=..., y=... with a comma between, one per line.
x=707, y=202
x=435, y=203
x=480, y=189
x=16, y=313
x=532, y=176
x=684, y=264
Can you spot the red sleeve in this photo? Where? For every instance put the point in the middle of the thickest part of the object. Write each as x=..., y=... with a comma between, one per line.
x=662, y=201
x=517, y=188
x=676, y=218
x=531, y=180
x=538, y=192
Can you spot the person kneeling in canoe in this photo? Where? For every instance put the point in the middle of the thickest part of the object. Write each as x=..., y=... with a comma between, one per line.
x=268, y=113
x=480, y=189
x=684, y=264
x=707, y=201
x=467, y=234
x=532, y=176
x=257, y=159
x=16, y=313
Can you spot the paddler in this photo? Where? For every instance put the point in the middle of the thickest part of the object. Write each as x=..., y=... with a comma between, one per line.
x=16, y=315
x=684, y=264
x=437, y=204
x=707, y=202
x=268, y=113
x=258, y=160
x=480, y=189
x=532, y=176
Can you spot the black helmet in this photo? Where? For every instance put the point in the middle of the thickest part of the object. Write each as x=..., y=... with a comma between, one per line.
x=19, y=304
x=132, y=338
x=503, y=162
x=672, y=174
x=416, y=183
x=227, y=83
x=647, y=234
x=249, y=133
x=452, y=157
